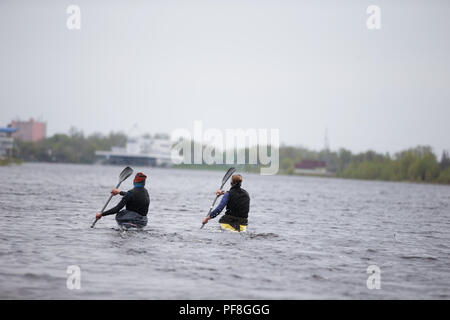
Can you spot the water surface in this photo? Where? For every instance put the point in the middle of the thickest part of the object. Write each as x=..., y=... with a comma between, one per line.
x=308, y=238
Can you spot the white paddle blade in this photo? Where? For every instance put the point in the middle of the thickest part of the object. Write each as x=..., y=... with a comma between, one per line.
x=228, y=175
x=125, y=174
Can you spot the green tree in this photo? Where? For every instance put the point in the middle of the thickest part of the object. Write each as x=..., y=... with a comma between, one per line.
x=444, y=176
x=445, y=160
x=287, y=165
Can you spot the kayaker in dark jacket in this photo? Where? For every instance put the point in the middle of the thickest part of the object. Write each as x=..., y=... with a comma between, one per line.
x=237, y=203
x=136, y=202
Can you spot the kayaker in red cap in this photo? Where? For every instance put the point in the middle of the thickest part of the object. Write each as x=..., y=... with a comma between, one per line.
x=136, y=201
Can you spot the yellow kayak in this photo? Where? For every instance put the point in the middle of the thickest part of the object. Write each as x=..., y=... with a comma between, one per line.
x=226, y=226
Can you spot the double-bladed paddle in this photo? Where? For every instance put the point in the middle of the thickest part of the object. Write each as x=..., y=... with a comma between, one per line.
x=224, y=180
x=122, y=177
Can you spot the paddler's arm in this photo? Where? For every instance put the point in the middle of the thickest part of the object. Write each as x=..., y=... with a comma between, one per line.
x=115, y=192
x=218, y=209
x=118, y=207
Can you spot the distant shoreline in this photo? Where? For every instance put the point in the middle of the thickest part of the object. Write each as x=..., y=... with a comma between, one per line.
x=10, y=161
x=224, y=167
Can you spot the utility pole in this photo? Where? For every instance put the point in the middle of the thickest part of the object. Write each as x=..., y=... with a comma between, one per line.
x=326, y=147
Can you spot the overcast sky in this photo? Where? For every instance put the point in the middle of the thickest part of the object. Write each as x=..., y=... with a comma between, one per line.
x=297, y=66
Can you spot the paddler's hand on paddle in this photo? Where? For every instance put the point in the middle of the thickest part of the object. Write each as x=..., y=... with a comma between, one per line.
x=115, y=192
x=205, y=220
x=98, y=216
x=220, y=192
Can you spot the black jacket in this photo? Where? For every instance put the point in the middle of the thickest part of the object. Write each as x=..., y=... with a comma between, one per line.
x=136, y=200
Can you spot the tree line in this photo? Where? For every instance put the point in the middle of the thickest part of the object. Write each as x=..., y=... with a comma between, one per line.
x=74, y=147
x=418, y=164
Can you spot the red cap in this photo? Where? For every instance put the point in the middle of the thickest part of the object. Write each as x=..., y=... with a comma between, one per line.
x=140, y=177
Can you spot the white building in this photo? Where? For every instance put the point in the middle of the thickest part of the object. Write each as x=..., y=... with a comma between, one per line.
x=6, y=142
x=140, y=151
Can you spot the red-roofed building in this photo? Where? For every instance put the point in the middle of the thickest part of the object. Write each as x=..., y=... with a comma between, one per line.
x=316, y=167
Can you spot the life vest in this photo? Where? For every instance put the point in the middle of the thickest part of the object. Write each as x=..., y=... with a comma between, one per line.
x=238, y=203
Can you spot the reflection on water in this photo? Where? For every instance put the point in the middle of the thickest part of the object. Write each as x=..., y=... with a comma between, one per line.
x=307, y=238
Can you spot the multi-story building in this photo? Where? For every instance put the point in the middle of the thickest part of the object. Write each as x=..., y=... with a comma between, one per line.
x=29, y=130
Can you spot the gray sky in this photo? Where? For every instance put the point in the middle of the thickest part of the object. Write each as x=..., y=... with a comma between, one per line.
x=299, y=66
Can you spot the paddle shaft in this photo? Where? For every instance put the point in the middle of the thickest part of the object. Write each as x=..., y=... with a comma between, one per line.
x=214, y=202
x=104, y=207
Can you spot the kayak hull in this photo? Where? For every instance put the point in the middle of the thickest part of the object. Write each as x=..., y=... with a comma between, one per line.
x=226, y=226
x=127, y=226
x=129, y=219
